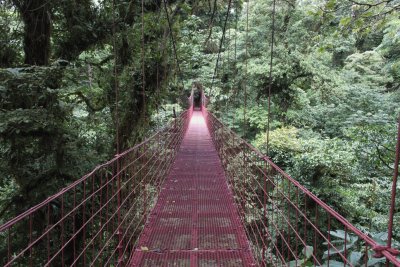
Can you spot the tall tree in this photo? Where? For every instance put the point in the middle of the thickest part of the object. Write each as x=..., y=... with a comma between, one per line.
x=36, y=15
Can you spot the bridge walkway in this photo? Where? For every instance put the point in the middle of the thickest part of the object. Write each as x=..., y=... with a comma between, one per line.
x=195, y=221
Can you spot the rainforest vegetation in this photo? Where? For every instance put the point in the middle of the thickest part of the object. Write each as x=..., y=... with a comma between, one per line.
x=335, y=89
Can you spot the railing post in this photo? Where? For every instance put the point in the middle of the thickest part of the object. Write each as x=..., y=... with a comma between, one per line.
x=142, y=176
x=174, y=116
x=394, y=185
x=119, y=230
x=233, y=173
x=265, y=212
x=243, y=182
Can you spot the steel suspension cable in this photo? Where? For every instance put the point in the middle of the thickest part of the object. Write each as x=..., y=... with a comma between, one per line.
x=220, y=45
x=235, y=91
x=270, y=71
x=116, y=88
x=211, y=24
x=158, y=95
x=115, y=70
x=229, y=48
x=173, y=42
x=394, y=189
x=265, y=197
x=246, y=64
x=159, y=79
x=229, y=55
x=143, y=68
x=244, y=180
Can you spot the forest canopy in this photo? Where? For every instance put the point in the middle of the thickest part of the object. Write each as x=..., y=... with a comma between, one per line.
x=335, y=89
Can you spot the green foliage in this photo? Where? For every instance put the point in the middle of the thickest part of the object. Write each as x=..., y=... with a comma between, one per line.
x=354, y=248
x=334, y=93
x=389, y=48
x=283, y=143
x=334, y=98
x=9, y=37
x=307, y=252
x=58, y=121
x=367, y=68
x=44, y=145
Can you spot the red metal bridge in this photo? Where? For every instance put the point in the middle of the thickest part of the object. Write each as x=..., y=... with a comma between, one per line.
x=193, y=194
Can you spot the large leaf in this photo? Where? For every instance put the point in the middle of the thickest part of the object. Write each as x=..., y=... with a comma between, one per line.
x=333, y=251
x=342, y=235
x=338, y=233
x=355, y=257
x=373, y=261
x=333, y=263
x=296, y=263
x=308, y=251
x=381, y=238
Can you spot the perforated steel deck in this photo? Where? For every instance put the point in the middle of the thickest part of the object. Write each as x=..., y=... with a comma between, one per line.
x=195, y=221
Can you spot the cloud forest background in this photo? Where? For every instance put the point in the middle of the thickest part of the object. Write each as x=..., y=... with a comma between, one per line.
x=334, y=100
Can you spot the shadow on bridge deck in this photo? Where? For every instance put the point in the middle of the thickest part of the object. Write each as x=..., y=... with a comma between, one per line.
x=195, y=221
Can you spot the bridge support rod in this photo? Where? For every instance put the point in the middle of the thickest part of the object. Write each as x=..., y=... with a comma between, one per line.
x=394, y=189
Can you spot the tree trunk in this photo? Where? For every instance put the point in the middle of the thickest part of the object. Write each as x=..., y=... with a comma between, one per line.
x=37, y=21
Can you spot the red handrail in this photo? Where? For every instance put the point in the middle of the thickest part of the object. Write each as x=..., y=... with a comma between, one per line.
x=250, y=182
x=79, y=225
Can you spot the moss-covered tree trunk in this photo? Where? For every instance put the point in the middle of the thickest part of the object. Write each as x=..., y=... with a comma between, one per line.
x=36, y=16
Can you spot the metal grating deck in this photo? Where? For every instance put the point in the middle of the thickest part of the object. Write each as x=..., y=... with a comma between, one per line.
x=195, y=221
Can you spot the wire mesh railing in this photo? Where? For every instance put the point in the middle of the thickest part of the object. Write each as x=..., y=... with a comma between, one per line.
x=287, y=224
x=95, y=221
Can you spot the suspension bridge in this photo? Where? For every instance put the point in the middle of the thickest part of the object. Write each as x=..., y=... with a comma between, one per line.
x=193, y=194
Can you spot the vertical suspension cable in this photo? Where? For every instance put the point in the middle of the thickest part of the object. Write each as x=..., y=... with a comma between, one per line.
x=173, y=43
x=270, y=71
x=228, y=61
x=143, y=70
x=394, y=187
x=223, y=59
x=244, y=180
x=116, y=82
x=235, y=91
x=236, y=30
x=158, y=94
x=229, y=46
x=246, y=63
x=269, y=118
x=144, y=185
x=220, y=46
x=116, y=88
